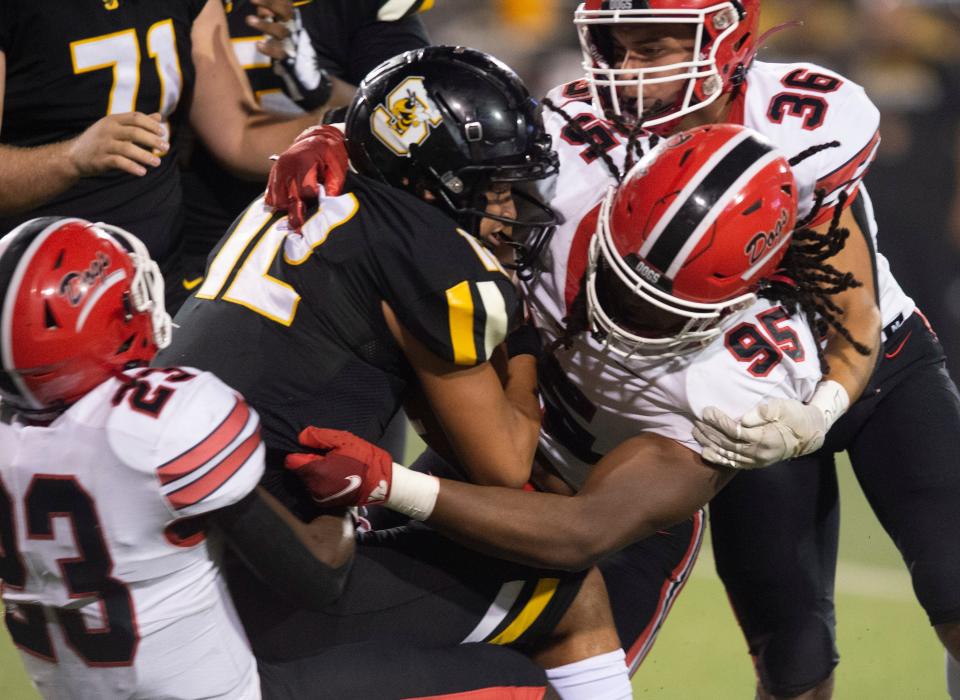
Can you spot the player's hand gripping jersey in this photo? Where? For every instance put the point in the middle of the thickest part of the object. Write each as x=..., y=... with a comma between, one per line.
x=111, y=590
x=594, y=401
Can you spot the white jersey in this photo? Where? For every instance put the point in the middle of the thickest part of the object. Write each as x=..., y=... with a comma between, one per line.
x=796, y=106
x=110, y=590
x=593, y=401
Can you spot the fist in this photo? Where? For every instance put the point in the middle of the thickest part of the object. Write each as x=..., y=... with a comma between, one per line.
x=345, y=470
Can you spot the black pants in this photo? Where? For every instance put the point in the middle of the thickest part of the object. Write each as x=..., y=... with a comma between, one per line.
x=409, y=586
x=643, y=579
x=382, y=671
x=775, y=531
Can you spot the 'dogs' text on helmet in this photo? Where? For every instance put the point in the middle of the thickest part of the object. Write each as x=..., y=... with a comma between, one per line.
x=78, y=302
x=725, y=41
x=449, y=121
x=687, y=238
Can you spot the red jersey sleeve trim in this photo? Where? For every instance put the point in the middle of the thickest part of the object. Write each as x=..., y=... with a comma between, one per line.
x=210, y=482
x=850, y=173
x=209, y=447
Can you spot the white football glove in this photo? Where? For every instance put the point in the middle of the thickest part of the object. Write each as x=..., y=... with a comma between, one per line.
x=772, y=432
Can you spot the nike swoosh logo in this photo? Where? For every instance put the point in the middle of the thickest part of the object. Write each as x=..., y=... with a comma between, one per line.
x=189, y=285
x=353, y=483
x=891, y=355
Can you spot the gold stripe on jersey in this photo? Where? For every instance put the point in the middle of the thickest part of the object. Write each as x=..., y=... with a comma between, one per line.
x=392, y=10
x=541, y=597
x=460, y=305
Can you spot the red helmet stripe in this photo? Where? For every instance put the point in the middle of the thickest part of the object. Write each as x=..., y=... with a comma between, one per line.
x=113, y=278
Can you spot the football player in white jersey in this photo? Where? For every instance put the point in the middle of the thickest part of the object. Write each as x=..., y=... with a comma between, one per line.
x=670, y=64
x=111, y=577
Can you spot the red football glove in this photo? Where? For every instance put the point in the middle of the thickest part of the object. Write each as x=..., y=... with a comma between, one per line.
x=351, y=472
x=316, y=157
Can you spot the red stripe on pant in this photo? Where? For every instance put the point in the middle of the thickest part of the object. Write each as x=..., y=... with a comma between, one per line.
x=504, y=693
x=668, y=594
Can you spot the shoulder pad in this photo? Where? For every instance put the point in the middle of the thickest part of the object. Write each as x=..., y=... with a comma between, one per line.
x=804, y=106
x=192, y=431
x=393, y=10
x=452, y=295
x=574, y=91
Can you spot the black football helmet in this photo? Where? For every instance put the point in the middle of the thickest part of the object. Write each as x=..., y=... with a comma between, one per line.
x=451, y=121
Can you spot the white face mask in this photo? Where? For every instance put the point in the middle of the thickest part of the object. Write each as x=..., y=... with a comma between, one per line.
x=697, y=79
x=146, y=288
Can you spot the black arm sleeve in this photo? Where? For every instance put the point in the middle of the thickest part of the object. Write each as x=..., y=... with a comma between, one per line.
x=266, y=545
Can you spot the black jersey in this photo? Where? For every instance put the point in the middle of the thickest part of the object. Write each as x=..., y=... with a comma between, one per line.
x=350, y=38
x=71, y=63
x=294, y=322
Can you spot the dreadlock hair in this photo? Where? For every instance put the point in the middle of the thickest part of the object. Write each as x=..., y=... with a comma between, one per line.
x=806, y=283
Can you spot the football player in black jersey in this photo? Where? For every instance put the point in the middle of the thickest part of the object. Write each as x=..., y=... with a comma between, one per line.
x=313, y=59
x=386, y=290
x=93, y=99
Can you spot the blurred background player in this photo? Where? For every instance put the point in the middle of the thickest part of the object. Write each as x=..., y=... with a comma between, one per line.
x=387, y=291
x=119, y=483
x=312, y=55
x=94, y=100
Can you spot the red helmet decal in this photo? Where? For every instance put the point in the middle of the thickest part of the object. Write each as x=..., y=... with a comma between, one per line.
x=76, y=284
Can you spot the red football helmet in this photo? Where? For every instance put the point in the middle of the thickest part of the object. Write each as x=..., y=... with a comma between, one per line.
x=687, y=238
x=725, y=41
x=80, y=301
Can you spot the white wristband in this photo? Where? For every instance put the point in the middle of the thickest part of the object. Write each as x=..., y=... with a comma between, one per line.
x=412, y=493
x=832, y=399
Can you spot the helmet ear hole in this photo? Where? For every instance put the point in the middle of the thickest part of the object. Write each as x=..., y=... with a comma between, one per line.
x=125, y=345
x=49, y=319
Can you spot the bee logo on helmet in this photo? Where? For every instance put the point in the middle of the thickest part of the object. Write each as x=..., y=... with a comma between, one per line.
x=406, y=117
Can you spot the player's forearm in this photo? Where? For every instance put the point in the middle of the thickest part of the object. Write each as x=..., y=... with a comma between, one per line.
x=247, y=150
x=307, y=562
x=524, y=405
x=535, y=529
x=849, y=366
x=29, y=177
